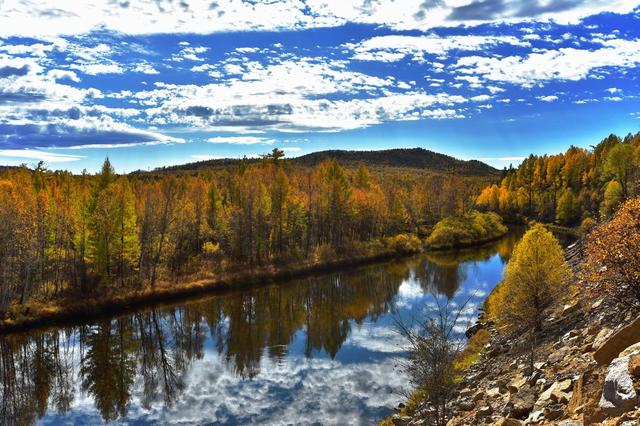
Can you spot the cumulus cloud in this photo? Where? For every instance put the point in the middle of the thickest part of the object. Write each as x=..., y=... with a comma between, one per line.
x=294, y=95
x=46, y=17
x=562, y=64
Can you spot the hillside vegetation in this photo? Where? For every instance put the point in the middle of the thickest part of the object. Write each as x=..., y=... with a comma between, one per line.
x=415, y=158
x=569, y=188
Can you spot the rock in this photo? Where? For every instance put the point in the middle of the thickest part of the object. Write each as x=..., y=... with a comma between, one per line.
x=577, y=398
x=535, y=417
x=473, y=329
x=520, y=404
x=556, y=393
x=465, y=393
x=466, y=405
x=602, y=336
x=485, y=411
x=517, y=383
x=508, y=422
x=618, y=394
x=558, y=355
x=570, y=308
x=493, y=392
x=553, y=412
x=478, y=396
x=617, y=342
x=634, y=366
x=399, y=420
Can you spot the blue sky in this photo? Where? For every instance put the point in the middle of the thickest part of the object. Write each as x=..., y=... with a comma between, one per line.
x=159, y=82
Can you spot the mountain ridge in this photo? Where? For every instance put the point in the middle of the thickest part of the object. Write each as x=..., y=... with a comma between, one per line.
x=412, y=158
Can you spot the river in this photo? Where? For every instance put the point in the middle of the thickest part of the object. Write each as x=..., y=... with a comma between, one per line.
x=321, y=350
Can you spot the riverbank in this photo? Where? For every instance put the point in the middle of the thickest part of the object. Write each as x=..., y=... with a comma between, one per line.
x=585, y=368
x=73, y=308
x=70, y=309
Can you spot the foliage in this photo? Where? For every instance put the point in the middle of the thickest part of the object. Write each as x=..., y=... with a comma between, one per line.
x=534, y=277
x=65, y=236
x=471, y=352
x=613, y=196
x=404, y=243
x=470, y=228
x=612, y=263
x=568, y=186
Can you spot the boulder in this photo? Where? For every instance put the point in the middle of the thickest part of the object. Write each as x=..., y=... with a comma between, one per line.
x=617, y=342
x=520, y=404
x=517, y=383
x=618, y=394
x=556, y=393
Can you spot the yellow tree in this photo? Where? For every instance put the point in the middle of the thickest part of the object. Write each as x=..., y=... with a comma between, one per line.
x=535, y=275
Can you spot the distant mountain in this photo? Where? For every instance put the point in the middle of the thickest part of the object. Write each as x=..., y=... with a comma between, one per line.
x=413, y=158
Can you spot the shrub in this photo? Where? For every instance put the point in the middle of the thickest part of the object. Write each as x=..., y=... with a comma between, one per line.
x=471, y=228
x=613, y=263
x=404, y=243
x=324, y=253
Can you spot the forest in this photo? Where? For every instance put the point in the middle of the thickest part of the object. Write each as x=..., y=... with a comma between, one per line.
x=66, y=237
x=577, y=187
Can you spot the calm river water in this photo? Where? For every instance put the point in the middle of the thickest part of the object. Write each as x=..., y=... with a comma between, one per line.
x=322, y=350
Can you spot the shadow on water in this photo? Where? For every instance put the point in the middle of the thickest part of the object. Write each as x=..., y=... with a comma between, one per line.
x=260, y=354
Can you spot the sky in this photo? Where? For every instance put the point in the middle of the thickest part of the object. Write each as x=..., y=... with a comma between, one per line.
x=151, y=83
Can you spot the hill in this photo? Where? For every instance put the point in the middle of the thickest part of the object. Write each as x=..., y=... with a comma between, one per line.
x=414, y=158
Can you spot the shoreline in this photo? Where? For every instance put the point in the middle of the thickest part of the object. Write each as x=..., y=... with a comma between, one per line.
x=114, y=304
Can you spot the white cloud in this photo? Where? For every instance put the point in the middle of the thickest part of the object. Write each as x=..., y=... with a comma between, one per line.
x=240, y=140
x=48, y=17
x=145, y=69
x=562, y=64
x=32, y=154
x=549, y=98
x=396, y=47
x=95, y=69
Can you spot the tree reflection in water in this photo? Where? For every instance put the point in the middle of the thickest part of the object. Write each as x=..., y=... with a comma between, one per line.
x=150, y=353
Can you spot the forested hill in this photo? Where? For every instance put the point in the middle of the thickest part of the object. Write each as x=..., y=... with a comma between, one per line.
x=415, y=158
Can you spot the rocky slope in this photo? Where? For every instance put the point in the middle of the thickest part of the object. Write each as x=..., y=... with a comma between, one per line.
x=586, y=370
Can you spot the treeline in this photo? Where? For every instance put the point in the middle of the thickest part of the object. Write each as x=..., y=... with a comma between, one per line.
x=568, y=188
x=62, y=234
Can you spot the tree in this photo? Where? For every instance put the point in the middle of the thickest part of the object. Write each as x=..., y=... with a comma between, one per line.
x=613, y=196
x=567, y=211
x=619, y=164
x=536, y=274
x=114, y=240
x=612, y=262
